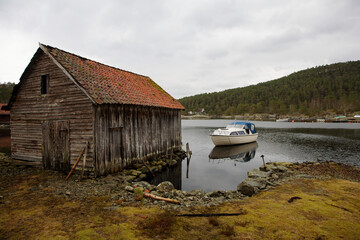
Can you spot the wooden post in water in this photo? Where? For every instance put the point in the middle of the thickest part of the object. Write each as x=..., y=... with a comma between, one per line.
x=262, y=156
x=188, y=152
x=188, y=157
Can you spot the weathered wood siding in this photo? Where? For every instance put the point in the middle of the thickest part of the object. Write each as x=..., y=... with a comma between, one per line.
x=64, y=101
x=127, y=133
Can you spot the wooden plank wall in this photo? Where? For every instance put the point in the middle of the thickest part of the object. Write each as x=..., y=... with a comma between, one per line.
x=64, y=101
x=127, y=133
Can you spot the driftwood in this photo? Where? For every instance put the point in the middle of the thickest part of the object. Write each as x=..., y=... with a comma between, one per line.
x=209, y=214
x=76, y=163
x=161, y=198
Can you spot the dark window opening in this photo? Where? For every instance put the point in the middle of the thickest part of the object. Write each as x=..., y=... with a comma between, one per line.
x=44, y=84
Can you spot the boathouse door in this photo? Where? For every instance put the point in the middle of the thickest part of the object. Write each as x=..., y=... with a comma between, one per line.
x=56, y=147
x=116, y=154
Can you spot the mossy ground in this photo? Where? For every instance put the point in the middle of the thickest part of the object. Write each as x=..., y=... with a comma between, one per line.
x=322, y=209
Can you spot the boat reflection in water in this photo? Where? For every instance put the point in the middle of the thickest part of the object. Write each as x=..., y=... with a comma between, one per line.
x=238, y=153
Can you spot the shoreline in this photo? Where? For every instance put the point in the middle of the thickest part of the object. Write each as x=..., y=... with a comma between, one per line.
x=124, y=184
x=38, y=203
x=275, y=118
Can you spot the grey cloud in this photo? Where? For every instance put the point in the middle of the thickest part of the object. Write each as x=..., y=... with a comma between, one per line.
x=187, y=47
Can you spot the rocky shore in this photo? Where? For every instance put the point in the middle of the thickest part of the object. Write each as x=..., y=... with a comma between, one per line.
x=312, y=200
x=127, y=188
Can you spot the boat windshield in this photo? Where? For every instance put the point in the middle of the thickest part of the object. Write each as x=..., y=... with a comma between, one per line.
x=234, y=125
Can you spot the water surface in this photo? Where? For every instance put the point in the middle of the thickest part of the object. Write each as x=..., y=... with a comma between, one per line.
x=277, y=141
x=223, y=168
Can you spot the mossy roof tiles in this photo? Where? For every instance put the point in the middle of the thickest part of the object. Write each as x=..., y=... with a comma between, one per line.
x=110, y=85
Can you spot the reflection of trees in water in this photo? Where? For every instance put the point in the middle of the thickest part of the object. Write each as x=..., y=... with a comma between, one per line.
x=172, y=174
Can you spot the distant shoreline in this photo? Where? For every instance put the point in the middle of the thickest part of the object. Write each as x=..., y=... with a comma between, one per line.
x=274, y=118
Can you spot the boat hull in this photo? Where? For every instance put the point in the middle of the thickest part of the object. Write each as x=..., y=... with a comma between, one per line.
x=224, y=140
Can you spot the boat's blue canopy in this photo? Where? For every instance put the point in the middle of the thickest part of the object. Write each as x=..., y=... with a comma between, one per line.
x=248, y=125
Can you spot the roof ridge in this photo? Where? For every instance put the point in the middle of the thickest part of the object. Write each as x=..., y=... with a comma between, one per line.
x=107, y=84
x=48, y=46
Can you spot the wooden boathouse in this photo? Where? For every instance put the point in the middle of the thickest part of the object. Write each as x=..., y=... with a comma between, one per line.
x=65, y=103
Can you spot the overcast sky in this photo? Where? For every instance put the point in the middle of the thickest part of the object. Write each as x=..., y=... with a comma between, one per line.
x=187, y=47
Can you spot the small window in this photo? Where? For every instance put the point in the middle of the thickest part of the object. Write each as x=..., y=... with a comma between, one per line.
x=234, y=133
x=44, y=84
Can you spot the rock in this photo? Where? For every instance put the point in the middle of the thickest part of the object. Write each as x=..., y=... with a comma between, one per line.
x=220, y=199
x=279, y=169
x=196, y=193
x=154, y=169
x=135, y=172
x=215, y=194
x=142, y=184
x=156, y=193
x=129, y=189
x=246, y=189
x=142, y=176
x=177, y=193
x=173, y=163
x=274, y=176
x=257, y=173
x=251, y=186
x=144, y=170
x=128, y=178
x=68, y=193
x=304, y=176
x=264, y=169
x=165, y=187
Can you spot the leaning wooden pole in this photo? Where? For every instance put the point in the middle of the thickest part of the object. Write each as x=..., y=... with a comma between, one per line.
x=84, y=161
x=76, y=163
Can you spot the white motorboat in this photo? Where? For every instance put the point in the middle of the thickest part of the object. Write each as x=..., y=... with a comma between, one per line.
x=282, y=120
x=235, y=133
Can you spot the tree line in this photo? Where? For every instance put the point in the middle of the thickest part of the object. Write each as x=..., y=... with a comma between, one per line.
x=318, y=90
x=5, y=91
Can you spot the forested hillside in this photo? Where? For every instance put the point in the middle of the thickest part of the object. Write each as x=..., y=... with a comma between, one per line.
x=5, y=91
x=329, y=88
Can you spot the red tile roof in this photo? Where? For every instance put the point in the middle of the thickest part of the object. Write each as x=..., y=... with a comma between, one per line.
x=3, y=111
x=105, y=84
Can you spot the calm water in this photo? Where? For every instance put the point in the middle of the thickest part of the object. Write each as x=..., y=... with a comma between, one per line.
x=223, y=168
